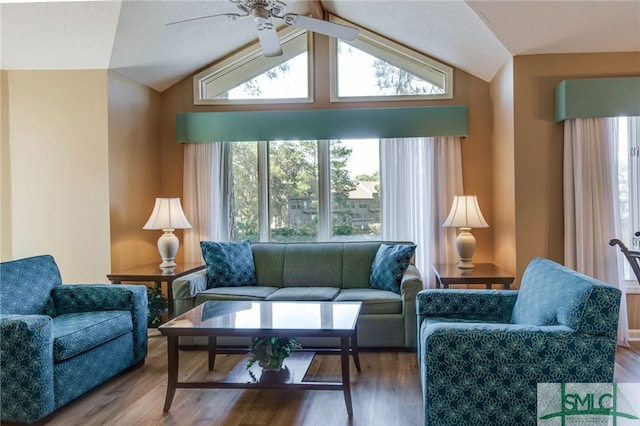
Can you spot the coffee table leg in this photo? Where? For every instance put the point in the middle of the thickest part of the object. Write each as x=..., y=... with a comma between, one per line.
x=346, y=382
x=212, y=352
x=172, y=371
x=354, y=350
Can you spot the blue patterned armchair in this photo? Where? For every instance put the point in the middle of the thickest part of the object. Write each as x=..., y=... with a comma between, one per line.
x=482, y=352
x=59, y=341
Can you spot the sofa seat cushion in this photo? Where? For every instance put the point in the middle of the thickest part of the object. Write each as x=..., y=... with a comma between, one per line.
x=235, y=293
x=305, y=293
x=76, y=333
x=373, y=301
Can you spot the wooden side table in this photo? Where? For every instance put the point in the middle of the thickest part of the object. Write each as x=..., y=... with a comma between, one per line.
x=152, y=272
x=483, y=273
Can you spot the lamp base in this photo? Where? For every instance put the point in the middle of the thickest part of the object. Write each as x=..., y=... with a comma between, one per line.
x=466, y=265
x=168, y=245
x=466, y=245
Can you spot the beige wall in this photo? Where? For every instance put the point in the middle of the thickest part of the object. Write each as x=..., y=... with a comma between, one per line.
x=55, y=189
x=633, y=309
x=468, y=90
x=5, y=169
x=134, y=171
x=538, y=150
x=527, y=151
x=503, y=170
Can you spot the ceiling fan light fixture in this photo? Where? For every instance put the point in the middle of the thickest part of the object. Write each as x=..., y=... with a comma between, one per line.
x=263, y=10
x=260, y=13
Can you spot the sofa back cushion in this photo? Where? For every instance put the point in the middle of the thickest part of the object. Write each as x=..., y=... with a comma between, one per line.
x=330, y=264
x=26, y=284
x=313, y=264
x=268, y=259
x=358, y=260
x=552, y=294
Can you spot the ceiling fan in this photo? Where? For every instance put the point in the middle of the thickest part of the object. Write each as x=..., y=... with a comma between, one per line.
x=262, y=12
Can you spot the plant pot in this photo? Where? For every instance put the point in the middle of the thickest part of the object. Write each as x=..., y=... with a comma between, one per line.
x=156, y=317
x=264, y=363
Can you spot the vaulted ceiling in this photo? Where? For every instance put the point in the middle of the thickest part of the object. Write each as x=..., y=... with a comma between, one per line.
x=132, y=37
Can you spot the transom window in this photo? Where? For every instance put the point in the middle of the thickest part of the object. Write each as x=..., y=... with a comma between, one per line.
x=368, y=68
x=372, y=67
x=250, y=77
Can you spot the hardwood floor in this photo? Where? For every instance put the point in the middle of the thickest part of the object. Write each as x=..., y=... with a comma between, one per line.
x=386, y=392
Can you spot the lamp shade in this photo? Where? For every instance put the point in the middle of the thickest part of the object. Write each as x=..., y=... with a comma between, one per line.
x=465, y=213
x=167, y=214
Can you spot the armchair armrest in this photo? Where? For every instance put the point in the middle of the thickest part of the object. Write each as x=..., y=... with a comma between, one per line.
x=480, y=305
x=185, y=290
x=543, y=351
x=26, y=363
x=106, y=297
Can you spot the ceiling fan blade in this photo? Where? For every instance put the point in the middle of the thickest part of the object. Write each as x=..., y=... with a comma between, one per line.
x=232, y=16
x=323, y=27
x=268, y=38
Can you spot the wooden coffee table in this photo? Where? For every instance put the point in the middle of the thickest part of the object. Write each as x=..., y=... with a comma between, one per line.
x=264, y=319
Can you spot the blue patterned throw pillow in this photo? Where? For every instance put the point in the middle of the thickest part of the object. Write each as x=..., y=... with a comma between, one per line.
x=390, y=263
x=228, y=264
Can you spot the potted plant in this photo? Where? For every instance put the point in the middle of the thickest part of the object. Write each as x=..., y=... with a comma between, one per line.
x=269, y=352
x=157, y=305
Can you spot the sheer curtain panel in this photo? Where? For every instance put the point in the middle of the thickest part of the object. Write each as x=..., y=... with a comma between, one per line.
x=205, y=195
x=419, y=178
x=591, y=209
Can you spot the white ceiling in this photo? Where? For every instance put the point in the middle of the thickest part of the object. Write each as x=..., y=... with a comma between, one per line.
x=132, y=38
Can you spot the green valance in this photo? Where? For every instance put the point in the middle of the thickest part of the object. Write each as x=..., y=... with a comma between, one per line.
x=598, y=97
x=322, y=124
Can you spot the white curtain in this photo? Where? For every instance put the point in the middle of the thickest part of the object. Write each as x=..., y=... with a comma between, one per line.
x=205, y=199
x=591, y=209
x=419, y=178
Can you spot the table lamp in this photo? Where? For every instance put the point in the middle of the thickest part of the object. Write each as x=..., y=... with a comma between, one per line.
x=167, y=215
x=465, y=214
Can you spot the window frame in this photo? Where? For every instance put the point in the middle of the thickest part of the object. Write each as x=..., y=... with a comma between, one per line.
x=633, y=170
x=390, y=48
x=325, y=212
x=244, y=58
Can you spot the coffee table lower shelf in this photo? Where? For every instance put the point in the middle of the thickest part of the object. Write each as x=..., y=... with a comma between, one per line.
x=292, y=375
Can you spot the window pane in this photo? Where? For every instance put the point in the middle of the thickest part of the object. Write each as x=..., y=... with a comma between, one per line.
x=629, y=184
x=250, y=77
x=293, y=190
x=285, y=81
x=355, y=186
x=243, y=205
x=362, y=74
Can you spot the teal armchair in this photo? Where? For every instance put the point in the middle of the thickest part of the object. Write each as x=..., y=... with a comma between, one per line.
x=482, y=353
x=59, y=341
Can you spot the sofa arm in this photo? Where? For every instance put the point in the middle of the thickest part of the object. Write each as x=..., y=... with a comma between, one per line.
x=185, y=290
x=26, y=366
x=106, y=297
x=480, y=305
x=410, y=285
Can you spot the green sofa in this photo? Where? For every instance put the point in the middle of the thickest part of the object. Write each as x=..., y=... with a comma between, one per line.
x=59, y=341
x=332, y=271
x=482, y=353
